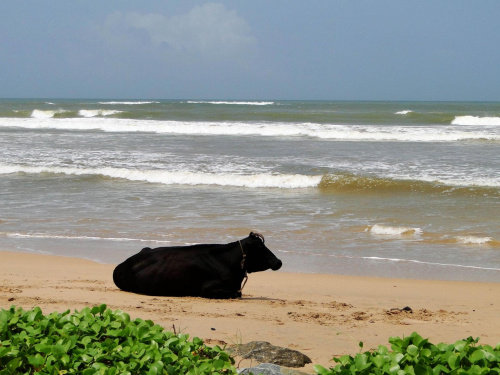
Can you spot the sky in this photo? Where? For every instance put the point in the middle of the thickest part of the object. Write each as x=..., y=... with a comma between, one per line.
x=443, y=50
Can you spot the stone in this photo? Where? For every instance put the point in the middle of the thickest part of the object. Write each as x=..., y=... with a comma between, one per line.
x=264, y=352
x=269, y=369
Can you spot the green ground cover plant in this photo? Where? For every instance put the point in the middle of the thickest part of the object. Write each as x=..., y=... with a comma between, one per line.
x=414, y=355
x=100, y=341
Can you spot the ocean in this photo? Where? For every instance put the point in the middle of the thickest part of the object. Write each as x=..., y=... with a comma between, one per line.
x=385, y=189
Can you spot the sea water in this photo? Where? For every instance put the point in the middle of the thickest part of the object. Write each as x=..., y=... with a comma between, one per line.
x=392, y=189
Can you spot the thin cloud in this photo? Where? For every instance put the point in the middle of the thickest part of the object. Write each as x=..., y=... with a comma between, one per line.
x=209, y=31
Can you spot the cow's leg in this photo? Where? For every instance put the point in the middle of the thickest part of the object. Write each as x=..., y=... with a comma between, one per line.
x=216, y=290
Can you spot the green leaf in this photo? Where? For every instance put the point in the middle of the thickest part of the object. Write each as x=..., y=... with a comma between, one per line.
x=159, y=365
x=96, y=328
x=345, y=359
x=3, y=322
x=454, y=362
x=439, y=369
x=34, y=314
x=361, y=362
x=379, y=361
x=412, y=350
x=86, y=358
x=396, y=357
x=318, y=369
x=421, y=370
x=142, y=332
x=13, y=364
x=396, y=341
x=58, y=350
x=218, y=364
x=65, y=360
x=102, y=308
x=86, y=340
x=36, y=360
x=383, y=349
x=418, y=341
x=95, y=310
x=460, y=345
x=477, y=355
x=394, y=369
x=43, y=348
x=426, y=353
x=4, y=351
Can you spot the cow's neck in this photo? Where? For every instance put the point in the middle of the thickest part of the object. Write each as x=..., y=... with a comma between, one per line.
x=242, y=264
x=244, y=257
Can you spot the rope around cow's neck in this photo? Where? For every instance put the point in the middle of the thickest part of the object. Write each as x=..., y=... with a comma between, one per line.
x=245, y=278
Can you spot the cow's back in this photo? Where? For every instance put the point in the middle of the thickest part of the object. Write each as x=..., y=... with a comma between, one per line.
x=167, y=271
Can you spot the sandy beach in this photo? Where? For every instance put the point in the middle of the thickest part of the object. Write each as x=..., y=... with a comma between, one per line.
x=319, y=315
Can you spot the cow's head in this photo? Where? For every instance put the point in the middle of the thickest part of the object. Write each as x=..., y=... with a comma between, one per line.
x=258, y=256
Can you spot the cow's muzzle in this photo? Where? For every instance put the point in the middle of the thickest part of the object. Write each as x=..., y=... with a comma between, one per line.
x=277, y=265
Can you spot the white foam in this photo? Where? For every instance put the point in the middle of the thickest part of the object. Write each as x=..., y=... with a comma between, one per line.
x=476, y=120
x=268, y=129
x=39, y=113
x=181, y=177
x=473, y=240
x=128, y=103
x=90, y=238
x=430, y=263
x=97, y=112
x=464, y=181
x=405, y=112
x=396, y=260
x=229, y=102
x=394, y=231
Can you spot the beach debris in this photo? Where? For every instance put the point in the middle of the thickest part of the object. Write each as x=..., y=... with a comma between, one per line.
x=398, y=310
x=269, y=369
x=264, y=352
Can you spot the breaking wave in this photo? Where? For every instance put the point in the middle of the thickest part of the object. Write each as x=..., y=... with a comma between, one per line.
x=50, y=114
x=405, y=112
x=358, y=133
x=474, y=240
x=179, y=178
x=351, y=183
x=97, y=112
x=476, y=120
x=345, y=183
x=379, y=229
x=229, y=102
x=129, y=103
x=42, y=114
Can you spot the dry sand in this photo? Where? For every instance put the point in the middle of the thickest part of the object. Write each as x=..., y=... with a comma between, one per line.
x=319, y=315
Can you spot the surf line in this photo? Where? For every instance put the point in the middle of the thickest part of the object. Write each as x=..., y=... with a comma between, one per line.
x=394, y=260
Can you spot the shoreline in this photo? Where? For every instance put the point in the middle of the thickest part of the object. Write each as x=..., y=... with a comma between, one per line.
x=486, y=277
x=320, y=315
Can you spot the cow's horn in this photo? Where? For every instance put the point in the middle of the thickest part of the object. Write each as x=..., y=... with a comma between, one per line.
x=258, y=235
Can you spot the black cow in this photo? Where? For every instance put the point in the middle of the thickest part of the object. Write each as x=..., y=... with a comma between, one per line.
x=210, y=271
